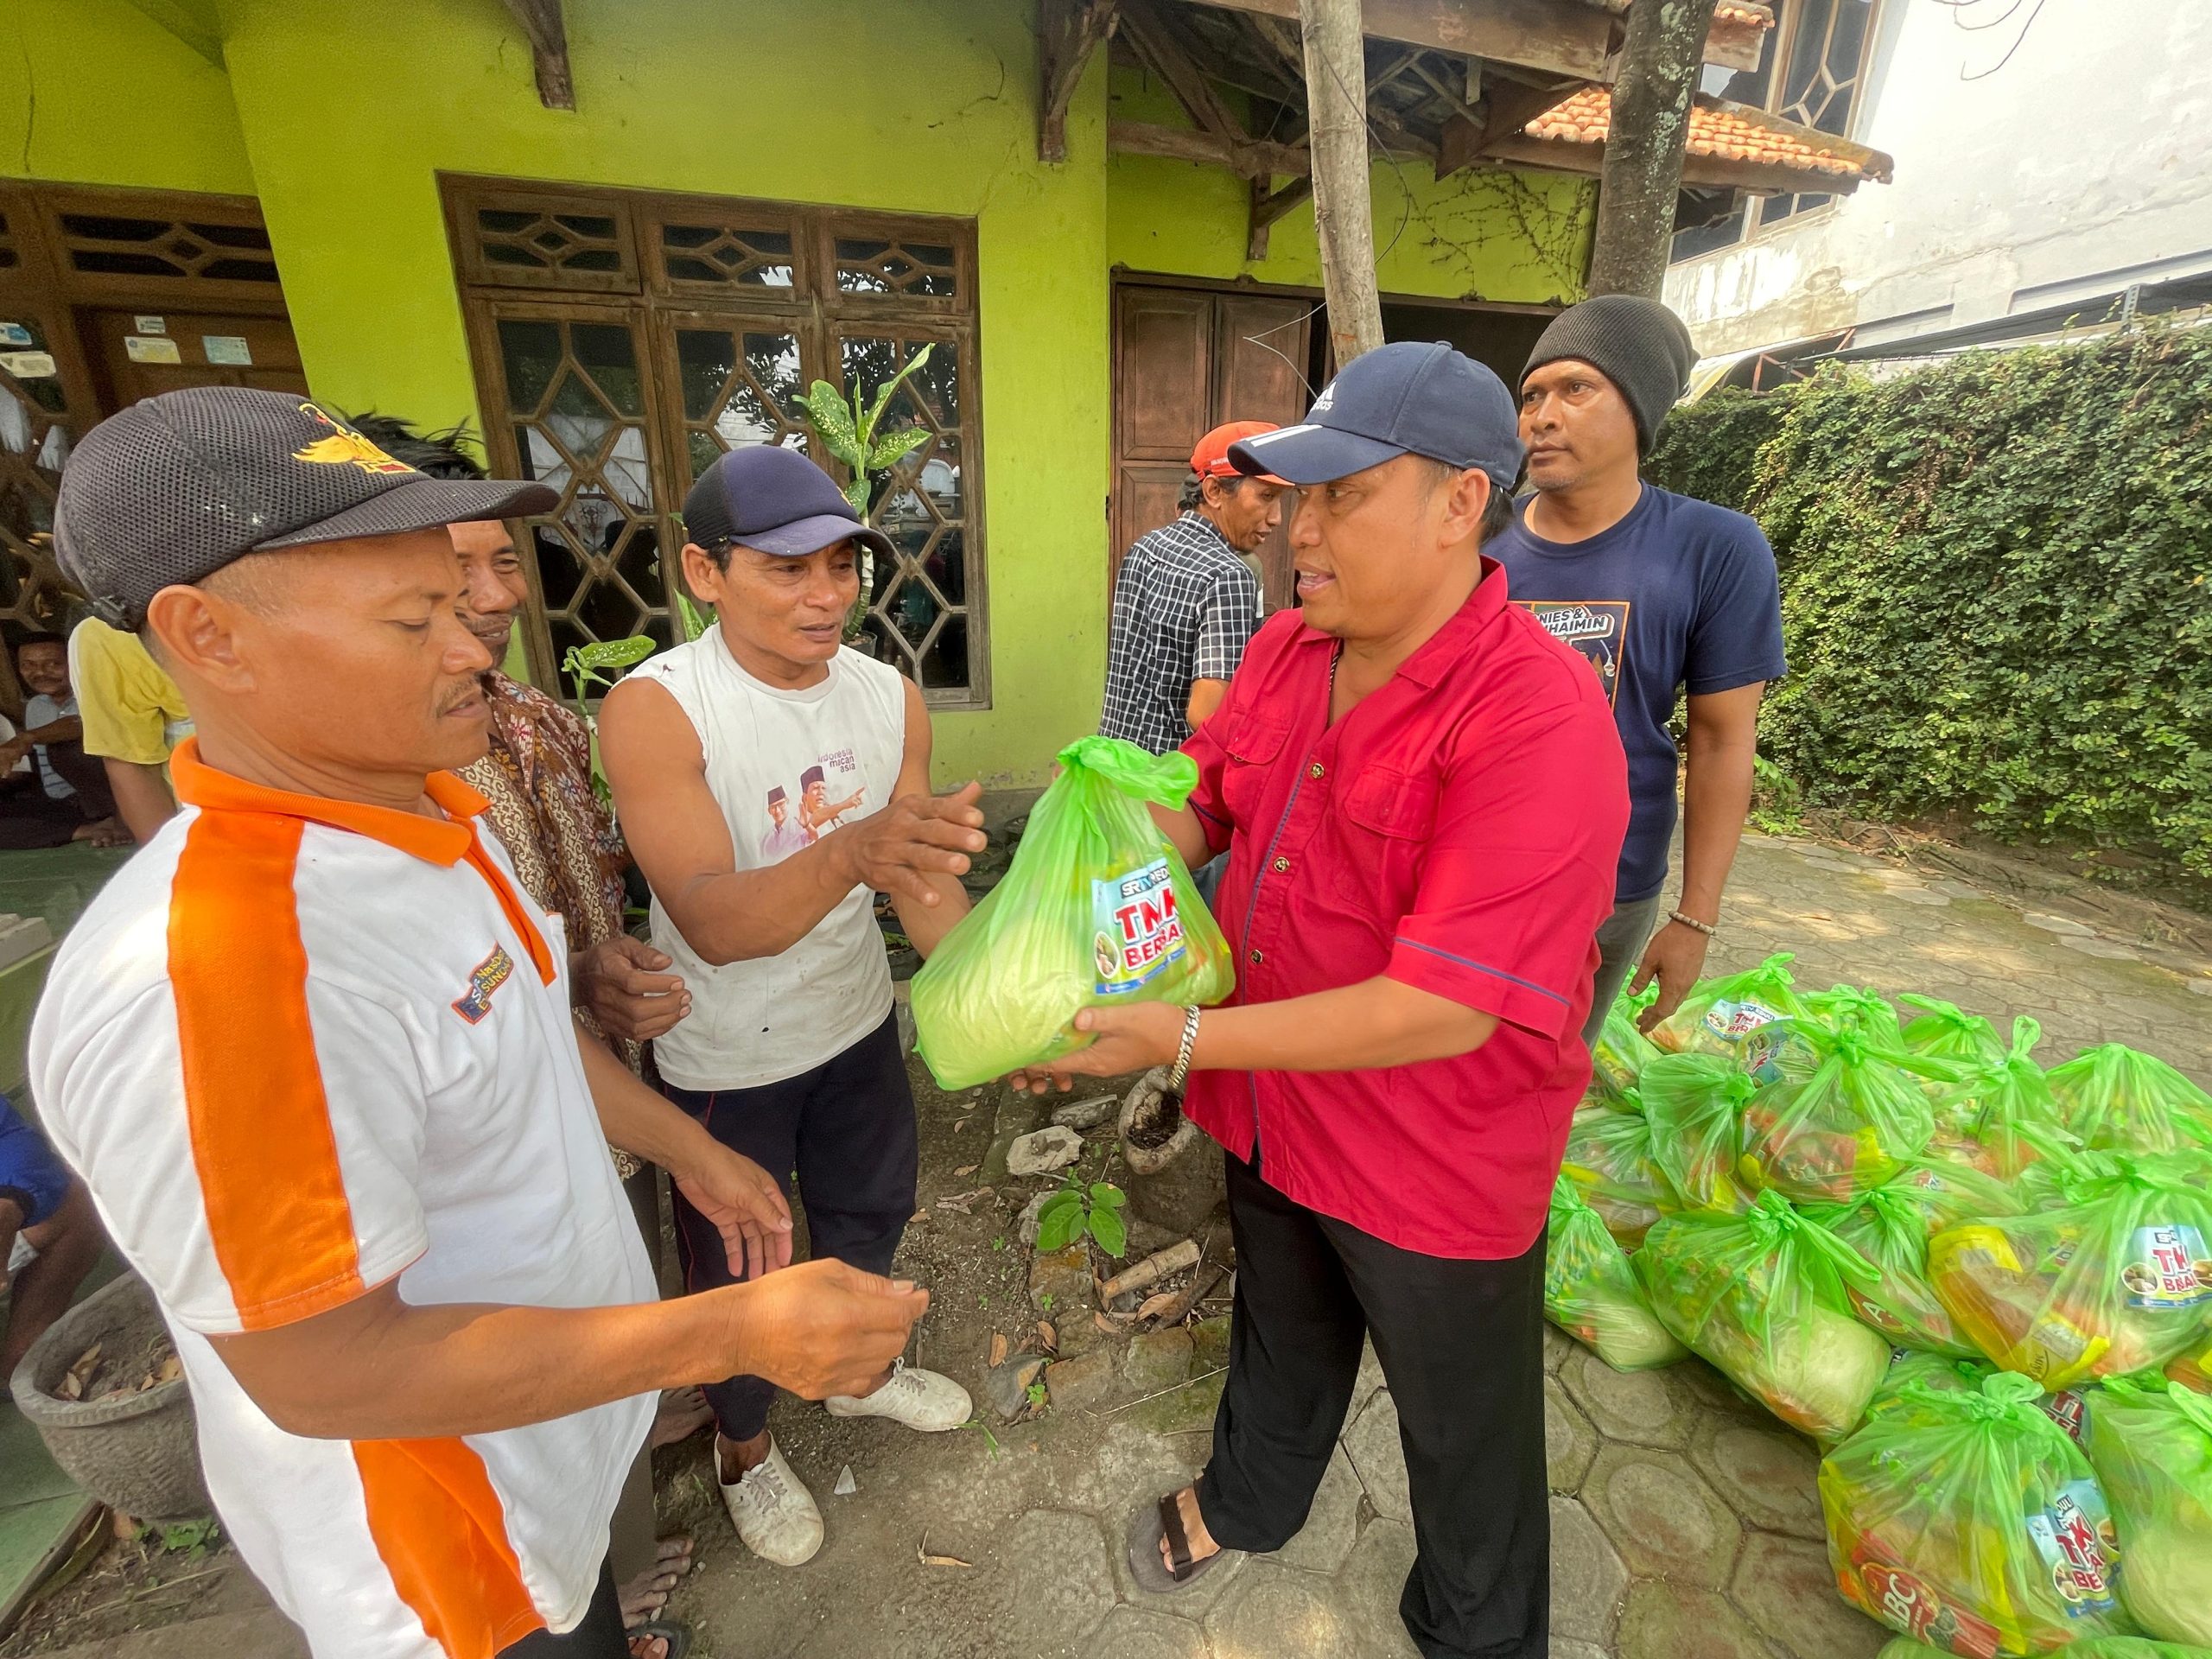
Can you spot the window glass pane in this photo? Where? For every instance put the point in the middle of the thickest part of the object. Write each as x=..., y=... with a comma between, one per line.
x=738, y=388
x=722, y=255
x=1707, y=219
x=880, y=267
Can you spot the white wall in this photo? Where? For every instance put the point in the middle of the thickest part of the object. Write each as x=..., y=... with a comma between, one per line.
x=2085, y=163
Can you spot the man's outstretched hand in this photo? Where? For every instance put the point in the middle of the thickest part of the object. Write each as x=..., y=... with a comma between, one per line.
x=625, y=984
x=747, y=1205
x=823, y=1328
x=916, y=836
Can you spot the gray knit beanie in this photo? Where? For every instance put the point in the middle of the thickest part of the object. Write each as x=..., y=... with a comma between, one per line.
x=1637, y=344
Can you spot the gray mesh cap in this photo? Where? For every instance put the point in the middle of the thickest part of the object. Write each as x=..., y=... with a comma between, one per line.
x=171, y=490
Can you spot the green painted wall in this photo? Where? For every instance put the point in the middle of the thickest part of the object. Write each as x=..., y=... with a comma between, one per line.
x=1482, y=234
x=93, y=91
x=350, y=114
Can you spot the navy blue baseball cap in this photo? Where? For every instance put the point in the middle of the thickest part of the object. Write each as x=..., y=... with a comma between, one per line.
x=773, y=499
x=1402, y=399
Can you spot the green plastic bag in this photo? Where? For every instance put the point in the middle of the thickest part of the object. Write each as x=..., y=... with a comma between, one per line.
x=1891, y=1227
x=1999, y=1117
x=1619, y=1055
x=2151, y=1444
x=1694, y=1104
x=1609, y=1160
x=1841, y=1119
x=1729, y=1016
x=2114, y=1097
x=1761, y=1295
x=1970, y=1521
x=1591, y=1292
x=1846, y=1007
x=1908, y=1366
x=1944, y=1031
x=2117, y=1279
x=2097, y=1646
x=1096, y=908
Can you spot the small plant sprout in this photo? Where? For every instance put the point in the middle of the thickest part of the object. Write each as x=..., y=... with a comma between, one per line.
x=1081, y=1210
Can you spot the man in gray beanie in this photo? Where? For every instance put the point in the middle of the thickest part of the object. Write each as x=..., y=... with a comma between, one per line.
x=1661, y=593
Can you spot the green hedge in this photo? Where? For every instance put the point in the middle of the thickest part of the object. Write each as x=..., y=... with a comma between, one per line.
x=1995, y=588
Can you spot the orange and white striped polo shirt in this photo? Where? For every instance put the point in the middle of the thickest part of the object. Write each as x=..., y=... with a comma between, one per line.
x=298, y=1048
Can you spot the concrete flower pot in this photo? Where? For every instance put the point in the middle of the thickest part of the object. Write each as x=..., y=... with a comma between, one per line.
x=139, y=1452
x=1177, y=1183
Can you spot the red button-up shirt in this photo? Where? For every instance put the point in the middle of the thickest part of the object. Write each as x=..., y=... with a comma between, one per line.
x=1457, y=830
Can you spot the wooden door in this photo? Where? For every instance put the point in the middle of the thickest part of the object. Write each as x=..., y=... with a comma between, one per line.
x=1185, y=361
x=191, y=348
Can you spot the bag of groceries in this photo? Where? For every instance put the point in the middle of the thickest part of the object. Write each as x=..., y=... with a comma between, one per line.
x=2118, y=1098
x=1998, y=1117
x=1096, y=908
x=1618, y=1056
x=2117, y=1279
x=1891, y=1227
x=1908, y=1366
x=1761, y=1295
x=1971, y=1523
x=1839, y=1119
x=1609, y=1160
x=1694, y=1104
x=1944, y=1031
x=2193, y=1369
x=1591, y=1292
x=1728, y=1016
x=1846, y=1007
x=2151, y=1444
x=2097, y=1646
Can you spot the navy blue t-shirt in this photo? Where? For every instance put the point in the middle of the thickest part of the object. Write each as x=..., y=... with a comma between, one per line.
x=1679, y=593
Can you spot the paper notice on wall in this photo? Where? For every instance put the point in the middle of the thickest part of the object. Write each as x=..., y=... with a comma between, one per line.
x=14, y=334
x=145, y=348
x=150, y=324
x=226, y=348
x=28, y=365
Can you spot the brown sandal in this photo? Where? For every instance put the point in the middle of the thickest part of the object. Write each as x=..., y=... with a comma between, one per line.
x=1147, y=1528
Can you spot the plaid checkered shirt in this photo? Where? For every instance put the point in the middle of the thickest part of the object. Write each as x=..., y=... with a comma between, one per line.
x=1184, y=607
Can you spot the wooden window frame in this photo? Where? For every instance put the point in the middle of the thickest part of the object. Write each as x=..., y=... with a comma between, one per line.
x=655, y=305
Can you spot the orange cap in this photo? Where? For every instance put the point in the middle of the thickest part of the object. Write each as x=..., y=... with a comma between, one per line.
x=1210, y=458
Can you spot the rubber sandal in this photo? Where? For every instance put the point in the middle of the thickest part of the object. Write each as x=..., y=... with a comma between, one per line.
x=1147, y=1528
x=678, y=1636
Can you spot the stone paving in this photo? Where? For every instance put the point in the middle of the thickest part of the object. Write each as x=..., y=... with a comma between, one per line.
x=1684, y=1518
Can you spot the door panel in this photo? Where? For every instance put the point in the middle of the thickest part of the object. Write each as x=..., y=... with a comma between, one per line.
x=1163, y=385
x=1260, y=346
x=207, y=347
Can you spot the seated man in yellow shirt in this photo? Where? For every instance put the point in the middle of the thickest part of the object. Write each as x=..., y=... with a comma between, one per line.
x=133, y=716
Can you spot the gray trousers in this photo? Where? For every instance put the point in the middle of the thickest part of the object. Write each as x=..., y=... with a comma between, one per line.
x=1621, y=939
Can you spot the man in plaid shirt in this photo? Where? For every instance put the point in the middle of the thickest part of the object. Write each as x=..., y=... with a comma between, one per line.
x=1184, y=604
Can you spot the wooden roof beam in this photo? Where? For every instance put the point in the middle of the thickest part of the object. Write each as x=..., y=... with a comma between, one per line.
x=1069, y=31
x=1507, y=107
x=1572, y=42
x=1161, y=46
x=547, y=32
x=1250, y=158
x=1267, y=207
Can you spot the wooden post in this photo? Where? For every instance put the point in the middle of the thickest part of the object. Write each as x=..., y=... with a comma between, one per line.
x=1651, y=126
x=1344, y=213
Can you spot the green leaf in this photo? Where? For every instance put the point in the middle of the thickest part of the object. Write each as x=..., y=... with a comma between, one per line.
x=1058, y=1232
x=832, y=420
x=1059, y=1203
x=1108, y=1196
x=884, y=393
x=612, y=653
x=857, y=493
x=894, y=446
x=1112, y=1233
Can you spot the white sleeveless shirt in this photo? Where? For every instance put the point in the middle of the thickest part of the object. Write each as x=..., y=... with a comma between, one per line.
x=786, y=767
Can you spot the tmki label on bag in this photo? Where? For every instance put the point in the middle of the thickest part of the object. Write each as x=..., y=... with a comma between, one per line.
x=2077, y=1542
x=2167, y=1266
x=1136, y=930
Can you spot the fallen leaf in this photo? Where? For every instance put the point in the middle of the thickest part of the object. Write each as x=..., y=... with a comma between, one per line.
x=68, y=1388
x=1104, y=1323
x=922, y=1554
x=1047, y=1335
x=998, y=1349
x=125, y=1527
x=1153, y=1307
x=846, y=1486
x=918, y=1215
x=80, y=1374
x=965, y=1171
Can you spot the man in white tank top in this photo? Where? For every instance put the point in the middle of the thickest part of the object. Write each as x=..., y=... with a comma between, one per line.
x=770, y=782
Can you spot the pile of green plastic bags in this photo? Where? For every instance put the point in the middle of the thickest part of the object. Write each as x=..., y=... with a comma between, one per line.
x=1984, y=1288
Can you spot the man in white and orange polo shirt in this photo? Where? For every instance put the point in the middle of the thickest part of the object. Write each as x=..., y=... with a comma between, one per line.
x=312, y=1052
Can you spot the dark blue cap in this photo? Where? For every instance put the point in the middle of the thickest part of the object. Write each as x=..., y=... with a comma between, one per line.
x=773, y=499
x=1400, y=399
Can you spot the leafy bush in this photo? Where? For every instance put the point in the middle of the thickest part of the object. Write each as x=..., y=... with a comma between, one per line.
x=1994, y=586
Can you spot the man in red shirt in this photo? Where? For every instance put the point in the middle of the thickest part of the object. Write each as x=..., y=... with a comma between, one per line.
x=1422, y=795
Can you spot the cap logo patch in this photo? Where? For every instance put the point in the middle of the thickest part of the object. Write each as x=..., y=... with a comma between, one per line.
x=345, y=447
x=1327, y=397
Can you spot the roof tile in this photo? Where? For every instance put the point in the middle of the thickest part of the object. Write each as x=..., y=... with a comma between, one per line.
x=1586, y=117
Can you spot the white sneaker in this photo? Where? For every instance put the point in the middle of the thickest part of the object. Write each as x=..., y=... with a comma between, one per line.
x=773, y=1512
x=920, y=1399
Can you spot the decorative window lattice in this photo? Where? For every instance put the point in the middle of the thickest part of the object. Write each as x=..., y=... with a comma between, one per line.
x=577, y=401
x=721, y=256
x=33, y=444
x=522, y=239
x=915, y=268
x=112, y=244
x=741, y=386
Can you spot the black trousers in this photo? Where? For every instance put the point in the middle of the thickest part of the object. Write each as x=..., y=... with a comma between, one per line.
x=599, y=1636
x=1461, y=1344
x=847, y=1128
